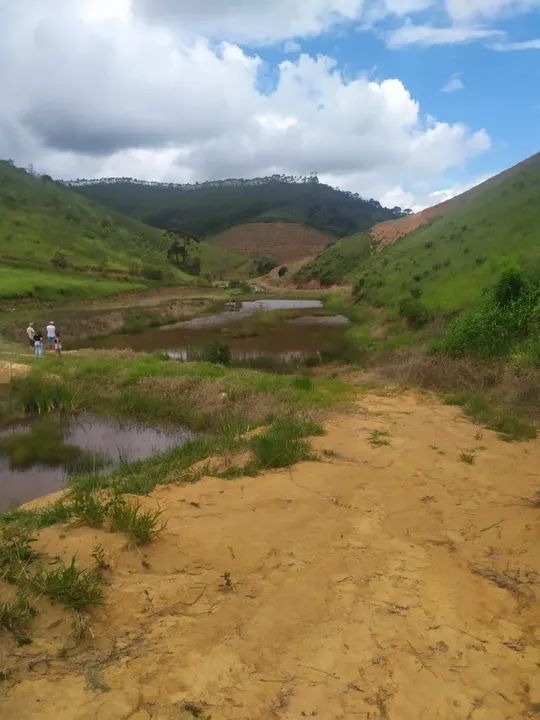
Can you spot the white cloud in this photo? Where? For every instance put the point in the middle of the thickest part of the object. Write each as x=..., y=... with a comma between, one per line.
x=251, y=21
x=454, y=84
x=110, y=93
x=512, y=46
x=427, y=35
x=465, y=10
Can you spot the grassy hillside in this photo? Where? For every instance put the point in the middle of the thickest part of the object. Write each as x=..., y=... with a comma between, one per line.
x=209, y=208
x=54, y=242
x=283, y=242
x=450, y=259
x=335, y=262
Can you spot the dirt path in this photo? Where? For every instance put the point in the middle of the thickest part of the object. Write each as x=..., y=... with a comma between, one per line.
x=388, y=582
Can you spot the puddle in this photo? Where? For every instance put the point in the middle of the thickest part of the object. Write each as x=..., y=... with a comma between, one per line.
x=286, y=341
x=102, y=438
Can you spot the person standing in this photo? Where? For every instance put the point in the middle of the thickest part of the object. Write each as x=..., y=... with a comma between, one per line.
x=38, y=345
x=57, y=345
x=51, y=334
x=31, y=334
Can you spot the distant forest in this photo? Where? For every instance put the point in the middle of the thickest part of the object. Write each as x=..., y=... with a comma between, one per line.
x=203, y=209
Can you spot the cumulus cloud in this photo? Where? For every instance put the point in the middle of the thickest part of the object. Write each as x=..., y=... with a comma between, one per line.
x=250, y=20
x=96, y=89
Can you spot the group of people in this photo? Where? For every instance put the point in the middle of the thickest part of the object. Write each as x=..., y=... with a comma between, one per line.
x=35, y=338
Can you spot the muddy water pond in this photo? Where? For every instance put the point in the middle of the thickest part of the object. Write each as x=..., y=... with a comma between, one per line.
x=36, y=458
x=279, y=329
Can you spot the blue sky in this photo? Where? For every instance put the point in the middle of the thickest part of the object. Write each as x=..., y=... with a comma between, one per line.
x=407, y=101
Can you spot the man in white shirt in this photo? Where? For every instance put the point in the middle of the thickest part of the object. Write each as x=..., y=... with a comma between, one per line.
x=31, y=333
x=51, y=334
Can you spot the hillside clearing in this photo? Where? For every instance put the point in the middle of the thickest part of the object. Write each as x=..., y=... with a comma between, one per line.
x=380, y=582
x=283, y=242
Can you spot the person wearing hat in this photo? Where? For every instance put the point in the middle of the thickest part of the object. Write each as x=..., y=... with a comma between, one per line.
x=51, y=335
x=31, y=334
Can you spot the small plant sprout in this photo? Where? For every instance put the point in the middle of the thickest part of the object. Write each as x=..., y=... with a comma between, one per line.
x=379, y=437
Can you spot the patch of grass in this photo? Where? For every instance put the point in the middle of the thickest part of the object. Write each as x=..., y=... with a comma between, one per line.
x=138, y=524
x=505, y=421
x=36, y=393
x=283, y=444
x=89, y=508
x=377, y=438
x=69, y=585
x=467, y=457
x=16, y=552
x=15, y=616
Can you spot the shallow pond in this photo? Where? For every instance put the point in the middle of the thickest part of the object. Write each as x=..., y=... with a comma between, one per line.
x=284, y=339
x=110, y=442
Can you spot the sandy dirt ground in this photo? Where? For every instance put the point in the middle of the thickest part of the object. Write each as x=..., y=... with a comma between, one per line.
x=386, y=582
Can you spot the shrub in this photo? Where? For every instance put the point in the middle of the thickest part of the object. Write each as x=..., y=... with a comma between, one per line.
x=414, y=312
x=218, y=353
x=509, y=287
x=59, y=261
x=283, y=270
x=508, y=314
x=151, y=273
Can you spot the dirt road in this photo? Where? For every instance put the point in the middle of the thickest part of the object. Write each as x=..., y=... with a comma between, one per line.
x=387, y=582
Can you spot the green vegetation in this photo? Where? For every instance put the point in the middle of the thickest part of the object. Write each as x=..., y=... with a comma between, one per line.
x=69, y=585
x=55, y=244
x=332, y=265
x=208, y=208
x=378, y=438
x=505, y=322
x=451, y=258
x=15, y=616
x=446, y=262
x=283, y=444
x=138, y=524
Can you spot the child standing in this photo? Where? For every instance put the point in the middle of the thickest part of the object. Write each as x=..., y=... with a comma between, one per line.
x=38, y=345
x=57, y=345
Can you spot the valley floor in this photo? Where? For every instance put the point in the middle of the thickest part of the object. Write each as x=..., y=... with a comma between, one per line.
x=387, y=582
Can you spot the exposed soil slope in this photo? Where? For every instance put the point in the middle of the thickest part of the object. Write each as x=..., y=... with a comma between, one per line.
x=282, y=241
x=385, y=582
x=386, y=233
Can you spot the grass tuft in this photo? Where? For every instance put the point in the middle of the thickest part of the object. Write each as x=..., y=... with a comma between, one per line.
x=89, y=508
x=138, y=524
x=377, y=438
x=283, y=444
x=15, y=616
x=69, y=585
x=467, y=457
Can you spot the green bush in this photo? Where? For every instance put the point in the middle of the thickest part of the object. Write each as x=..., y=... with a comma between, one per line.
x=507, y=316
x=414, y=312
x=218, y=353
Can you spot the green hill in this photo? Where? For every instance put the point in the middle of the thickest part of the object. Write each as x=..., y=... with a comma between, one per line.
x=55, y=243
x=208, y=208
x=334, y=263
x=448, y=261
